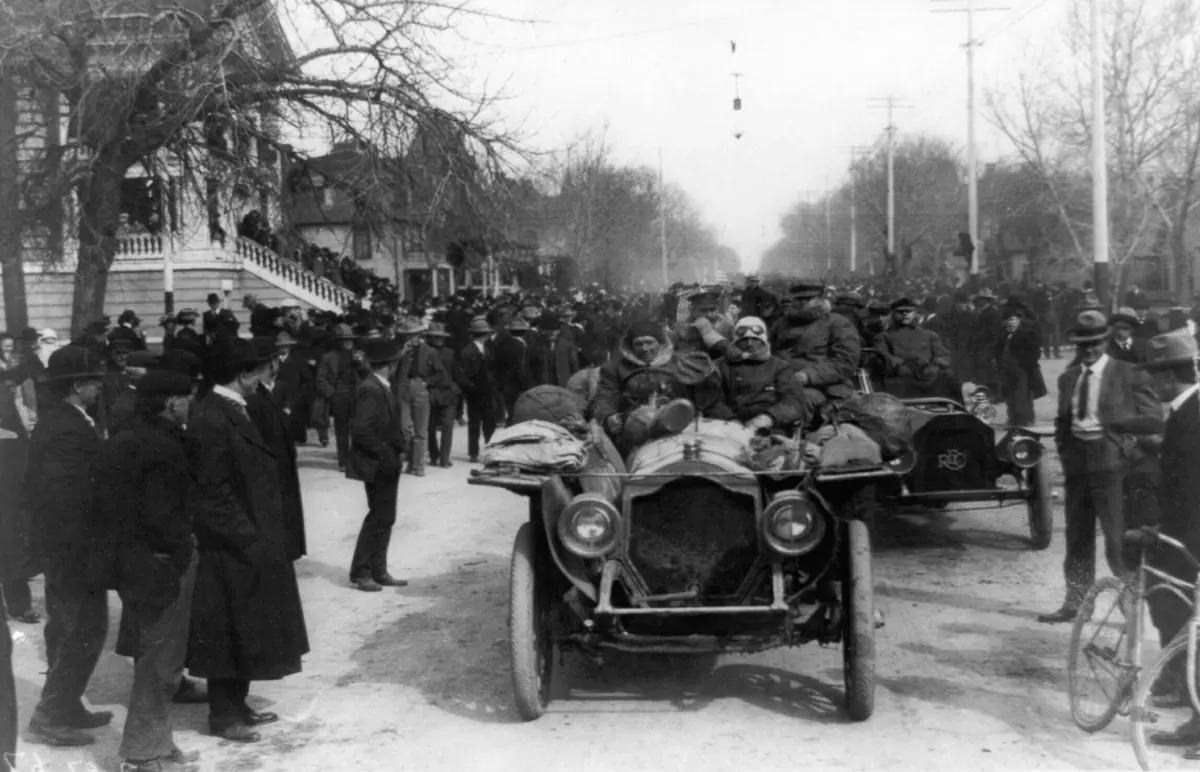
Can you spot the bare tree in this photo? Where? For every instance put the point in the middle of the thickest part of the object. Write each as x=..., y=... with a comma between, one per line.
x=1151, y=80
x=212, y=84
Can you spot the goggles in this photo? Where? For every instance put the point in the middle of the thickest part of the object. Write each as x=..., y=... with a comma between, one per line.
x=750, y=331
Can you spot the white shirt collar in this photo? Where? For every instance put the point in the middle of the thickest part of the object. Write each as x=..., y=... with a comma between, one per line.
x=229, y=394
x=1098, y=366
x=1184, y=397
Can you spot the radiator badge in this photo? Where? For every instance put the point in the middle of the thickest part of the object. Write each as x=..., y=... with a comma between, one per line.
x=953, y=459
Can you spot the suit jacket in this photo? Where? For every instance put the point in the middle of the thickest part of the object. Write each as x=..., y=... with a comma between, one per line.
x=376, y=442
x=512, y=365
x=1139, y=351
x=475, y=370
x=1179, y=495
x=1127, y=407
x=445, y=391
x=59, y=484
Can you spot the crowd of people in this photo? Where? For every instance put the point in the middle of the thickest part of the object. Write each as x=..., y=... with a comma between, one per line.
x=170, y=475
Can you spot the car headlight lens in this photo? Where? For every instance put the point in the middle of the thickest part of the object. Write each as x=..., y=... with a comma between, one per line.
x=793, y=524
x=588, y=526
x=1021, y=450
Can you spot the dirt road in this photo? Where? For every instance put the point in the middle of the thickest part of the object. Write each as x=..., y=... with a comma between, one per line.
x=417, y=678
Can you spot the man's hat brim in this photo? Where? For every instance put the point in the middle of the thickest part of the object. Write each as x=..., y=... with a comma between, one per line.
x=1087, y=336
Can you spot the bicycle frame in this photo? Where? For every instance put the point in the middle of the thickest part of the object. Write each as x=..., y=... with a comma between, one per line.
x=1188, y=592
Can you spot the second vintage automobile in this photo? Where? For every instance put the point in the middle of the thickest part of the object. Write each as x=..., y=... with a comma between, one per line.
x=959, y=458
x=689, y=548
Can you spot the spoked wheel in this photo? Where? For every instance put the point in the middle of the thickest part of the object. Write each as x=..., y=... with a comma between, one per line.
x=1100, y=675
x=1041, y=507
x=1161, y=707
x=858, y=639
x=531, y=645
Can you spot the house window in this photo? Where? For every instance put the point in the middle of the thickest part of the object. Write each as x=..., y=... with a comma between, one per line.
x=327, y=196
x=362, y=243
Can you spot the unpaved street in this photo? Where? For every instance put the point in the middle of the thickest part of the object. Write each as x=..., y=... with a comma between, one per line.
x=417, y=678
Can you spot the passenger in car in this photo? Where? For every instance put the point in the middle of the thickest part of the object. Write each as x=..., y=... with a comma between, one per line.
x=757, y=388
x=915, y=361
x=649, y=372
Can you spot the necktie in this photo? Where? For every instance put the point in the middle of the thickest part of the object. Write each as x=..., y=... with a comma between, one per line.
x=1082, y=412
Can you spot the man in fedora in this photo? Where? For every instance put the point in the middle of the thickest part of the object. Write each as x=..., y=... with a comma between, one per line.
x=476, y=362
x=443, y=398
x=337, y=379
x=376, y=456
x=63, y=452
x=1123, y=344
x=247, y=619
x=512, y=363
x=1103, y=405
x=1172, y=367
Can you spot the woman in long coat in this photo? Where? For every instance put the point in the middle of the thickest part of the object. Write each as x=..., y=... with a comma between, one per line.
x=1017, y=353
x=247, y=620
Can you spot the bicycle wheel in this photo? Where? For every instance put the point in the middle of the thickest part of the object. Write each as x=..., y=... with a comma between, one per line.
x=1100, y=676
x=1161, y=707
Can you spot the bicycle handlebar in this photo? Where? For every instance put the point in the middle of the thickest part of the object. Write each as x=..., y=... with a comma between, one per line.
x=1149, y=534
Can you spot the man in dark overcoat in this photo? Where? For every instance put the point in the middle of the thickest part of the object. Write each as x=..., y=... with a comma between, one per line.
x=376, y=454
x=266, y=409
x=1103, y=406
x=145, y=493
x=475, y=378
x=1172, y=367
x=63, y=452
x=247, y=619
x=512, y=363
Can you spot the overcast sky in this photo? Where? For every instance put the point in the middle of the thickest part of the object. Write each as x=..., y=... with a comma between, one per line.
x=659, y=73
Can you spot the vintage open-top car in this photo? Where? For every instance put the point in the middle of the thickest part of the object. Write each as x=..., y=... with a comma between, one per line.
x=685, y=547
x=957, y=458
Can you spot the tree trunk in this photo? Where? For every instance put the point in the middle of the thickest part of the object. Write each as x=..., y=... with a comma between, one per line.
x=16, y=310
x=99, y=213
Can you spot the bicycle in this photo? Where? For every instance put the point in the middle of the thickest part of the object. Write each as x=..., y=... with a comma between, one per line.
x=1161, y=704
x=1105, y=659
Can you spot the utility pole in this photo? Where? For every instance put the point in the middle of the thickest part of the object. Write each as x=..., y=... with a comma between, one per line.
x=828, y=233
x=662, y=221
x=855, y=150
x=1099, y=161
x=972, y=162
x=891, y=104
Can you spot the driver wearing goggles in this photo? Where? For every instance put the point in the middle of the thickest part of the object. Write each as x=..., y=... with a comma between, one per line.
x=758, y=389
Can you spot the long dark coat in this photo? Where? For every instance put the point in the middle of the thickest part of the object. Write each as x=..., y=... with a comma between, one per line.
x=267, y=414
x=59, y=481
x=247, y=620
x=145, y=497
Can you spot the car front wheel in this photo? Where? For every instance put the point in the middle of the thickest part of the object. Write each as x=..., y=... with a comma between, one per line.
x=531, y=646
x=858, y=639
x=1041, y=508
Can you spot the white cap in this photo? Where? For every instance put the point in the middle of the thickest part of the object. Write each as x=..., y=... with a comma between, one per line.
x=48, y=334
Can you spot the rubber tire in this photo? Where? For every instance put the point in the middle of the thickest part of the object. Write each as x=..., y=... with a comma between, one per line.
x=531, y=650
x=1141, y=716
x=858, y=637
x=1107, y=587
x=1041, y=506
